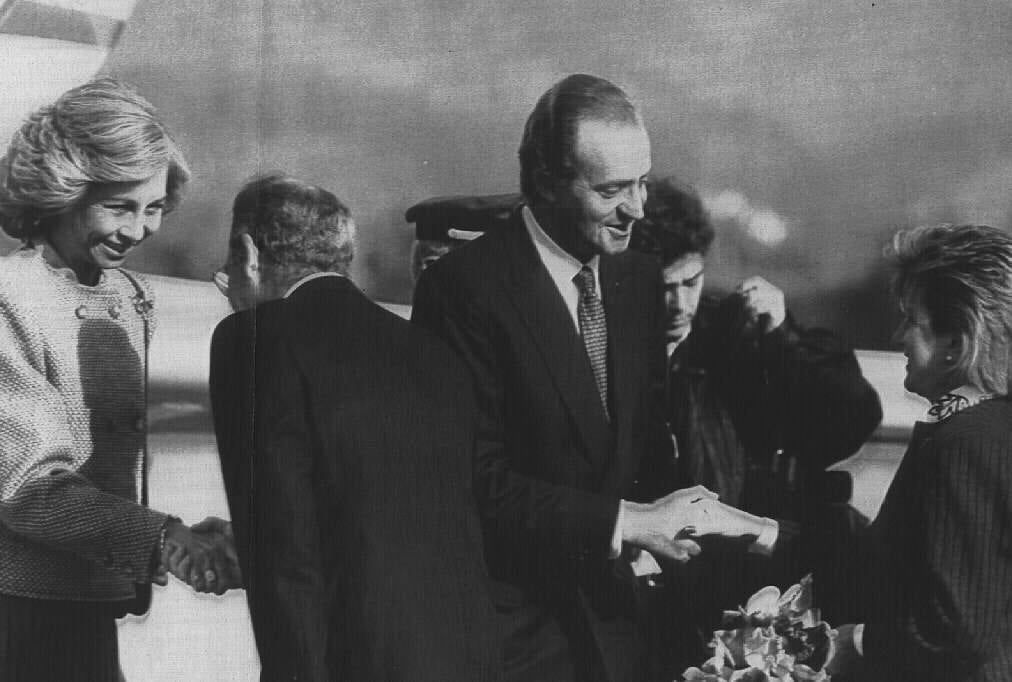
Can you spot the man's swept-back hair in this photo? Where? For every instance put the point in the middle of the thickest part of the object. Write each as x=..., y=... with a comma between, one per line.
x=550, y=133
x=674, y=222
x=298, y=228
x=100, y=132
x=961, y=276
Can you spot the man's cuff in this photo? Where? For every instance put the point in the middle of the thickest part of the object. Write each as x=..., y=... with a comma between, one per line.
x=615, y=551
x=645, y=564
x=766, y=542
x=859, y=639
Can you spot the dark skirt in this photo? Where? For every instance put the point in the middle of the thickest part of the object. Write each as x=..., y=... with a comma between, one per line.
x=58, y=641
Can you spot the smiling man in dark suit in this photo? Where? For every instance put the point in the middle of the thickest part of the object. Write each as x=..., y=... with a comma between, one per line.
x=563, y=332
x=346, y=437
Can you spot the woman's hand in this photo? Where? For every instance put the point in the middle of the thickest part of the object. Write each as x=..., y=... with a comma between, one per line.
x=204, y=556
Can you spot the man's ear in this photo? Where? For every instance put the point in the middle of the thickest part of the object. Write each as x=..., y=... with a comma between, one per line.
x=250, y=257
x=544, y=185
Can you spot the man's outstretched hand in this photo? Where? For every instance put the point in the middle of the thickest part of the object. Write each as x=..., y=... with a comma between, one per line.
x=663, y=527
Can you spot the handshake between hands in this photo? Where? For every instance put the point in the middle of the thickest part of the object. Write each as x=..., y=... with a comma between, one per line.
x=203, y=556
x=668, y=527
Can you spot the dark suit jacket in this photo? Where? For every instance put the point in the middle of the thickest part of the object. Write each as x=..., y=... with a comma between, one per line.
x=345, y=436
x=940, y=600
x=550, y=468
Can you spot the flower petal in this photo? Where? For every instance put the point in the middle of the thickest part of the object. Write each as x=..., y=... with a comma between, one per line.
x=785, y=605
x=804, y=600
x=764, y=602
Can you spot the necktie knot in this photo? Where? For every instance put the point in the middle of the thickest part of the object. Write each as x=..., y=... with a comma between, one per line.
x=584, y=280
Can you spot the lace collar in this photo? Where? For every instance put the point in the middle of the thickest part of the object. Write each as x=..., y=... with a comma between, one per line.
x=955, y=401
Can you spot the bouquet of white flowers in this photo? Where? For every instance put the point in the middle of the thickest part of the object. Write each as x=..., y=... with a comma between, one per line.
x=774, y=637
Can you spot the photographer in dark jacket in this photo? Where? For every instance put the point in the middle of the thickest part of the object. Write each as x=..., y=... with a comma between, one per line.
x=758, y=407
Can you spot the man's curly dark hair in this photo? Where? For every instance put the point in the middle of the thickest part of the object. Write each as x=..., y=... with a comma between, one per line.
x=674, y=222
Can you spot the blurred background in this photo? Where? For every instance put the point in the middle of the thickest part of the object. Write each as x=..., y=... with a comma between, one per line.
x=813, y=129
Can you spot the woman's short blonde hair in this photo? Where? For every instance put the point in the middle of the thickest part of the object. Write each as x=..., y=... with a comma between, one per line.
x=100, y=132
x=961, y=276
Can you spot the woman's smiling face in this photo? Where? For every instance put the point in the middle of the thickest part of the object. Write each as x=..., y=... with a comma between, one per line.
x=108, y=223
x=929, y=355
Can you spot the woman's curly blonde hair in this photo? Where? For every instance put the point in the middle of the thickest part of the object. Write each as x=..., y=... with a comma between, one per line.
x=100, y=132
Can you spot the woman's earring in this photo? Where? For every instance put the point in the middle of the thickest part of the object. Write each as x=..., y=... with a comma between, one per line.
x=949, y=359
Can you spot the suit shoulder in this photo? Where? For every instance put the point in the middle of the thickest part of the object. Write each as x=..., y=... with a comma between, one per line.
x=228, y=329
x=636, y=263
x=428, y=350
x=257, y=320
x=977, y=439
x=989, y=421
x=476, y=258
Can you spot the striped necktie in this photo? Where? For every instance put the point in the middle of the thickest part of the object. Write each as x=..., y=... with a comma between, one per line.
x=593, y=330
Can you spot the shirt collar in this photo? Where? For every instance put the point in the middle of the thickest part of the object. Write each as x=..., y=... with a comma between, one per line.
x=955, y=401
x=307, y=278
x=561, y=265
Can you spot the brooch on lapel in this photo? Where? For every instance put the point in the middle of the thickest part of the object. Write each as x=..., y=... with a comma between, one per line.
x=142, y=305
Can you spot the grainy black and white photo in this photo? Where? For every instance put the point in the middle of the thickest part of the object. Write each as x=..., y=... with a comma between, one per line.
x=505, y=341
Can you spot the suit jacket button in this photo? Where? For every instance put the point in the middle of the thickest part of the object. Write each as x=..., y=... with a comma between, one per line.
x=81, y=312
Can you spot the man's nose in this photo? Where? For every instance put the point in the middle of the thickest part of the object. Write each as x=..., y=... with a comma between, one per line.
x=683, y=298
x=675, y=300
x=632, y=206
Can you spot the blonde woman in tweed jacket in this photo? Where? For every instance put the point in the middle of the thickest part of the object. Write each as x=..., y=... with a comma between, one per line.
x=84, y=181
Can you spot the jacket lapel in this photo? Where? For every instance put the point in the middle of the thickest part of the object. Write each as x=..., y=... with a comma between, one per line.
x=550, y=326
x=620, y=313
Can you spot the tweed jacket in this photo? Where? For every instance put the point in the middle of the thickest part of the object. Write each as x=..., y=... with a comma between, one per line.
x=73, y=433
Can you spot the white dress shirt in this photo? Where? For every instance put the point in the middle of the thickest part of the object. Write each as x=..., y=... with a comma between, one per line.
x=307, y=278
x=561, y=265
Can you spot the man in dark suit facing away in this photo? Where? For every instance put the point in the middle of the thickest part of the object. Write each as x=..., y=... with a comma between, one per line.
x=346, y=438
x=562, y=329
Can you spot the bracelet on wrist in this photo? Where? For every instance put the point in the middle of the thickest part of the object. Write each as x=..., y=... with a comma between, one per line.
x=164, y=532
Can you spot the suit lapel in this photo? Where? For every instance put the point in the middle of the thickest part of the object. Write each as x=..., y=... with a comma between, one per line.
x=620, y=313
x=550, y=326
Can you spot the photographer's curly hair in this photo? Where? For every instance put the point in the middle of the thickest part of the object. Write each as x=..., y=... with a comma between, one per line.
x=298, y=228
x=961, y=275
x=100, y=132
x=674, y=222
